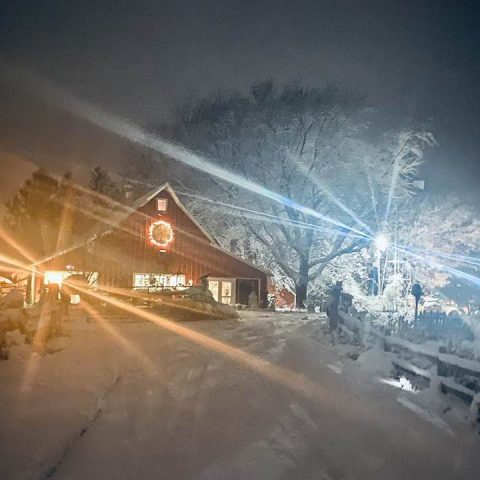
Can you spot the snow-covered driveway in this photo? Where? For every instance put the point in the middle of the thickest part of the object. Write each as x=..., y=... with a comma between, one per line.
x=143, y=403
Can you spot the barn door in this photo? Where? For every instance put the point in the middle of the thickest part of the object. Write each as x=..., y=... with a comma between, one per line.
x=223, y=290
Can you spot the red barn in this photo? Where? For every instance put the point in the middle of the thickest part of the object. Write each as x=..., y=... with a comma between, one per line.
x=156, y=243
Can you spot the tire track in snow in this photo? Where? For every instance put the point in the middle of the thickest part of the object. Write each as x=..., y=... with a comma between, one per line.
x=101, y=402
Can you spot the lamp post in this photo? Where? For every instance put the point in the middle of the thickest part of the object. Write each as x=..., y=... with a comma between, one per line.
x=417, y=292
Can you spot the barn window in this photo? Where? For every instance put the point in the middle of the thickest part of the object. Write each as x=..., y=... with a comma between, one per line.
x=157, y=280
x=162, y=204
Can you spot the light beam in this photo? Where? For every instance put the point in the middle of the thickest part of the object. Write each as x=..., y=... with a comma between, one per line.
x=50, y=93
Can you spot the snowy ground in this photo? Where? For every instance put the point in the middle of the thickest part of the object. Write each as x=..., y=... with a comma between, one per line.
x=148, y=404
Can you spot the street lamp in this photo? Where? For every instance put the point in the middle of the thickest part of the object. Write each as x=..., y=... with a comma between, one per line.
x=382, y=242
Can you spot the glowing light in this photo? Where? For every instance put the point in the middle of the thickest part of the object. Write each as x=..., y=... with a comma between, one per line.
x=382, y=242
x=160, y=233
x=52, y=276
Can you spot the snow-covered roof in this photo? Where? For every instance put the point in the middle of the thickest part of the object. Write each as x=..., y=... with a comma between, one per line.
x=5, y=279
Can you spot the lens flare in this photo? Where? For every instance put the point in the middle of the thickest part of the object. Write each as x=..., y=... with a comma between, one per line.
x=439, y=266
x=447, y=256
x=128, y=346
x=328, y=192
x=48, y=92
x=262, y=216
x=298, y=383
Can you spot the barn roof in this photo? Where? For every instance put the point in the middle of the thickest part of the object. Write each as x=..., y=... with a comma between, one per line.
x=144, y=199
x=126, y=210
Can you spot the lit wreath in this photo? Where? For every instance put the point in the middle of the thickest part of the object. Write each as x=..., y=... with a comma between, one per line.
x=160, y=233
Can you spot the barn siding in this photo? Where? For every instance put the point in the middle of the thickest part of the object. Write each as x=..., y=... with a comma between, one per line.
x=128, y=250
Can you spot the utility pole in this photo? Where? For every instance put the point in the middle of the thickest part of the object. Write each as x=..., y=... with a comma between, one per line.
x=381, y=244
x=378, y=266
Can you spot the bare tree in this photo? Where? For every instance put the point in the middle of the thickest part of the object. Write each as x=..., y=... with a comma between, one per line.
x=333, y=184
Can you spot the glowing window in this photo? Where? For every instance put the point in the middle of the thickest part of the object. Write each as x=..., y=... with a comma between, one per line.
x=157, y=280
x=162, y=204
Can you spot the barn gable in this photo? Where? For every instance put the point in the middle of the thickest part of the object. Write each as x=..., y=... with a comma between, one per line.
x=157, y=238
x=148, y=204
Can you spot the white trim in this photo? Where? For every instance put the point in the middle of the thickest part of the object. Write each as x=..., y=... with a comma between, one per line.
x=187, y=213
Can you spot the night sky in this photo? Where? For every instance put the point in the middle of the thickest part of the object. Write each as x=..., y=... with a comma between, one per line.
x=138, y=58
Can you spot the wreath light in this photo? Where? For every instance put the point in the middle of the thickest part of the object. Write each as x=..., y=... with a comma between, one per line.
x=160, y=233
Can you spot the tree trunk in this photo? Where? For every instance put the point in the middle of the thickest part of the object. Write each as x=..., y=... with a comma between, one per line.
x=301, y=285
x=300, y=295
